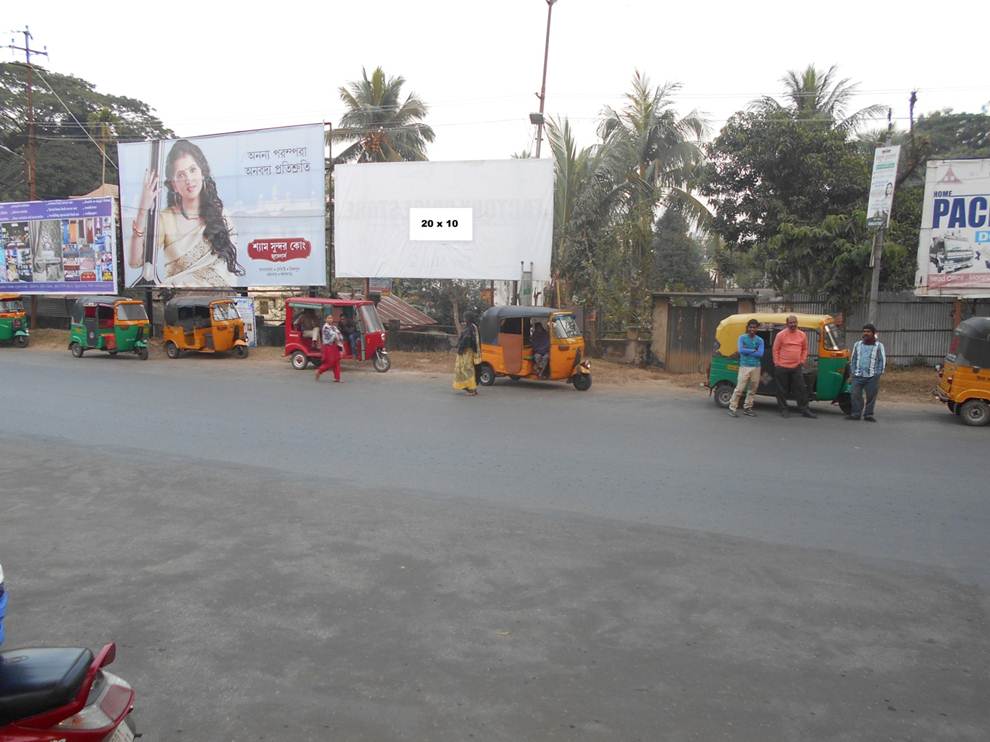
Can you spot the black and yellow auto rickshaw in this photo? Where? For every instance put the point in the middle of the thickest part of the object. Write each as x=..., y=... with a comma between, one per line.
x=13, y=321
x=964, y=378
x=112, y=324
x=507, y=346
x=203, y=324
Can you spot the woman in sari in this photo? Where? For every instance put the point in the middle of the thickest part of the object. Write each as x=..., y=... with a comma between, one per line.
x=468, y=355
x=193, y=232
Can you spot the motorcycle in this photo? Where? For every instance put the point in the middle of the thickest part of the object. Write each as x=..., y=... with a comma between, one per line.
x=61, y=694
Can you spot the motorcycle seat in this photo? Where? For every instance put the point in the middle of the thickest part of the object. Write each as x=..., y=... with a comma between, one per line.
x=33, y=681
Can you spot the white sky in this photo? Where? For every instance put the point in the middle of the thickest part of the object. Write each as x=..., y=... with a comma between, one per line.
x=207, y=67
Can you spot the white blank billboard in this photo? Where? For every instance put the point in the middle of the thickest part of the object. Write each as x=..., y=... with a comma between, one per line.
x=468, y=220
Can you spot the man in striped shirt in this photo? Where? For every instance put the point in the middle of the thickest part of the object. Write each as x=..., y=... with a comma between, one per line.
x=866, y=365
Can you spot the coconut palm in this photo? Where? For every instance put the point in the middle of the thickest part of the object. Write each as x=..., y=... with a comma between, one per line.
x=814, y=95
x=382, y=125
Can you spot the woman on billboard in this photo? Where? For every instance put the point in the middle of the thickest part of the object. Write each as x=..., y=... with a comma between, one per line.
x=193, y=231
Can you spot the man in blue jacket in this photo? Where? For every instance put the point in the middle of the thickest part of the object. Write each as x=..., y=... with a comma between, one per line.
x=750, y=347
x=866, y=365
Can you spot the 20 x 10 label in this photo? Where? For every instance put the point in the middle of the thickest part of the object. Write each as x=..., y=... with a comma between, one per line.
x=441, y=225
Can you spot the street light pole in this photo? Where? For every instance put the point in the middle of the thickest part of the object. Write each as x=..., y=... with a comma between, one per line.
x=543, y=87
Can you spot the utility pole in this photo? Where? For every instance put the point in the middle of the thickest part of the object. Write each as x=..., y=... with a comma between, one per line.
x=29, y=159
x=543, y=87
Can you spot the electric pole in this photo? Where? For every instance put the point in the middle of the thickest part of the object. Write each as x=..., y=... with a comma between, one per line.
x=29, y=159
x=543, y=87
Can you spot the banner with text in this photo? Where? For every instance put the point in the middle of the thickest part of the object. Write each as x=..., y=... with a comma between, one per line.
x=58, y=247
x=241, y=209
x=954, y=243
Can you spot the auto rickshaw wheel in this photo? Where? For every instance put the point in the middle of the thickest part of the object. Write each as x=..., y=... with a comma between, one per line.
x=21, y=341
x=171, y=350
x=241, y=351
x=582, y=382
x=723, y=393
x=845, y=403
x=486, y=374
x=382, y=363
x=299, y=360
x=77, y=350
x=142, y=353
x=975, y=412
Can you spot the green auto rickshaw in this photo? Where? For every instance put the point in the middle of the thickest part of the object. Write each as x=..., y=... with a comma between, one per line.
x=112, y=324
x=13, y=321
x=826, y=373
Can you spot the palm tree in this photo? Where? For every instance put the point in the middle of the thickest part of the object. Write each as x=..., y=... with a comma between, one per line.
x=382, y=125
x=814, y=95
x=655, y=155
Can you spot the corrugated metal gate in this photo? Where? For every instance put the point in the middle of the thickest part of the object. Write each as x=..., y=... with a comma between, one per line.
x=690, y=334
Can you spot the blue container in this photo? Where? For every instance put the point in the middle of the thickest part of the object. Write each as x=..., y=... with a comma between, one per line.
x=3, y=610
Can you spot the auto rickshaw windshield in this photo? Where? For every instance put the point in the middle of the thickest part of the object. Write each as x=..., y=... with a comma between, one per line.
x=565, y=326
x=131, y=312
x=369, y=317
x=833, y=337
x=225, y=311
x=11, y=305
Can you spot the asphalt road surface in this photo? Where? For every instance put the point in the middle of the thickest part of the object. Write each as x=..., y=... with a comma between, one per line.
x=384, y=559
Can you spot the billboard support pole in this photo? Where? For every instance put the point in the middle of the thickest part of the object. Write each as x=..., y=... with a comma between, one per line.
x=875, y=260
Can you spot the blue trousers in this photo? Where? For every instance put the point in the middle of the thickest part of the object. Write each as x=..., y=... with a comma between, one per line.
x=868, y=385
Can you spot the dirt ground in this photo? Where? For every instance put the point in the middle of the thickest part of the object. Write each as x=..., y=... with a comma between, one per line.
x=912, y=384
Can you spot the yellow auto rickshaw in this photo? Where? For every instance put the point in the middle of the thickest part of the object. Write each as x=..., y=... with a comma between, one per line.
x=512, y=336
x=203, y=325
x=964, y=379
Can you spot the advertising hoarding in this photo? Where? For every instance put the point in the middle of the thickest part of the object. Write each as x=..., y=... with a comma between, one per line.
x=58, y=247
x=241, y=209
x=954, y=242
x=881, y=199
x=481, y=220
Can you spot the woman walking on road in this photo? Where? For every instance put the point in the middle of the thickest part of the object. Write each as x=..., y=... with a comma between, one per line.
x=333, y=344
x=468, y=355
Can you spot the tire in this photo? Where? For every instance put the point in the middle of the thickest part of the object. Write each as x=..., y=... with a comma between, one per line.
x=486, y=374
x=172, y=350
x=77, y=350
x=299, y=360
x=241, y=351
x=975, y=412
x=513, y=378
x=582, y=382
x=382, y=363
x=141, y=353
x=723, y=393
x=21, y=341
x=845, y=403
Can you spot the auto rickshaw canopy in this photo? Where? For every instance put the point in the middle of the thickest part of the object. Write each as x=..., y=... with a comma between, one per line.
x=193, y=311
x=79, y=308
x=729, y=329
x=971, y=344
x=491, y=319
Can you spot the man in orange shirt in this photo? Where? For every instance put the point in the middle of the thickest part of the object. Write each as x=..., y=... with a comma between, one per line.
x=790, y=351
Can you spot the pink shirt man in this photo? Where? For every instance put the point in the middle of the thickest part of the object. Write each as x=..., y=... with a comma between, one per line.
x=790, y=348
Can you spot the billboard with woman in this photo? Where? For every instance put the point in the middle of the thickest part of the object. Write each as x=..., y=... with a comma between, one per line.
x=241, y=209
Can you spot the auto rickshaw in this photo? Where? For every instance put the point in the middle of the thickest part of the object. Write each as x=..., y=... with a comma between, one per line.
x=826, y=375
x=304, y=317
x=13, y=321
x=507, y=348
x=964, y=379
x=112, y=324
x=205, y=325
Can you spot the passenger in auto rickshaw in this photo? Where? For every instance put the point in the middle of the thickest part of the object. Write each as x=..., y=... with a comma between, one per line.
x=308, y=323
x=541, y=349
x=349, y=329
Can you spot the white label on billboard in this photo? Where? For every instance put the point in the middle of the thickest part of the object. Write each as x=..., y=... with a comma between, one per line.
x=509, y=202
x=245, y=310
x=441, y=225
x=881, y=199
x=242, y=209
x=954, y=242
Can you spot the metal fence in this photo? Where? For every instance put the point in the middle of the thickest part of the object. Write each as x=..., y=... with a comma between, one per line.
x=915, y=330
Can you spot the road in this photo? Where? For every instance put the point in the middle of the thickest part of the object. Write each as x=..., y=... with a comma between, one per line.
x=386, y=560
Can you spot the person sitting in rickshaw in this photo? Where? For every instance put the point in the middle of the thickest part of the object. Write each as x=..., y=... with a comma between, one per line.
x=541, y=348
x=348, y=328
x=308, y=324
